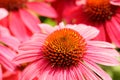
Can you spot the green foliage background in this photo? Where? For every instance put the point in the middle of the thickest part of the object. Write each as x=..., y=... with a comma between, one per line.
x=114, y=72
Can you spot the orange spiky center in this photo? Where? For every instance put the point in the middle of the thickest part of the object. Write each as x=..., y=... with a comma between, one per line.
x=99, y=10
x=12, y=4
x=64, y=48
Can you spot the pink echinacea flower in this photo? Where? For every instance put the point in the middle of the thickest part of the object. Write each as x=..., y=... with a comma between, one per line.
x=66, y=53
x=102, y=14
x=21, y=21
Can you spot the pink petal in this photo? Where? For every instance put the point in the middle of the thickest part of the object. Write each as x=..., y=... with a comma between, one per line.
x=102, y=33
x=100, y=44
x=30, y=70
x=88, y=32
x=80, y=27
x=26, y=57
x=30, y=20
x=8, y=53
x=71, y=75
x=78, y=73
x=7, y=63
x=105, y=51
x=34, y=69
x=58, y=75
x=60, y=26
x=47, y=76
x=113, y=31
x=3, y=13
x=45, y=28
x=97, y=69
x=4, y=31
x=34, y=43
x=102, y=59
x=89, y=75
x=30, y=46
x=11, y=41
x=30, y=50
x=17, y=27
x=42, y=8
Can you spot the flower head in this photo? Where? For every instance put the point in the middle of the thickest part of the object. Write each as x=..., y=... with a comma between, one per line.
x=66, y=53
x=64, y=48
x=99, y=11
x=20, y=21
x=102, y=14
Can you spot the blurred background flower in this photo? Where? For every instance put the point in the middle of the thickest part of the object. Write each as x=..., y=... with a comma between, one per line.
x=21, y=21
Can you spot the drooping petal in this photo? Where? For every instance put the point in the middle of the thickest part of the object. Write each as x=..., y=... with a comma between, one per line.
x=3, y=13
x=8, y=39
x=30, y=50
x=33, y=46
x=11, y=41
x=30, y=20
x=42, y=8
x=4, y=31
x=34, y=43
x=58, y=75
x=27, y=56
x=7, y=63
x=89, y=75
x=97, y=69
x=17, y=27
x=113, y=31
x=39, y=37
x=78, y=73
x=34, y=69
x=102, y=59
x=8, y=53
x=105, y=51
